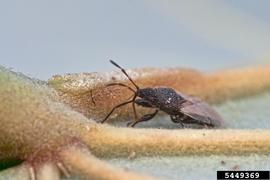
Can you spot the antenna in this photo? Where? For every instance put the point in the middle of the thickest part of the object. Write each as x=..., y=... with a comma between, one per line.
x=124, y=71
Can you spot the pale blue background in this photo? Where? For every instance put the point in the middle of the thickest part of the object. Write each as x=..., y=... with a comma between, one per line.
x=42, y=38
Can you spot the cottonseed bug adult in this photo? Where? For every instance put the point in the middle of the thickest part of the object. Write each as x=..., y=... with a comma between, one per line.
x=181, y=108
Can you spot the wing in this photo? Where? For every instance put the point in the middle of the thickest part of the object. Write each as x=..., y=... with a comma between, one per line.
x=201, y=111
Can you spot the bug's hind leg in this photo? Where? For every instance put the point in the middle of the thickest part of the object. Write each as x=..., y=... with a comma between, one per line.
x=146, y=117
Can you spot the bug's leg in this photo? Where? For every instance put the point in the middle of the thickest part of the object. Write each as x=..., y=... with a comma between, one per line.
x=178, y=119
x=143, y=103
x=119, y=105
x=182, y=125
x=80, y=95
x=134, y=108
x=133, y=105
x=139, y=102
x=146, y=117
x=121, y=84
x=206, y=126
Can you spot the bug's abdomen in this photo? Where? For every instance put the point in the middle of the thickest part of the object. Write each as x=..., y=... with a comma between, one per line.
x=199, y=112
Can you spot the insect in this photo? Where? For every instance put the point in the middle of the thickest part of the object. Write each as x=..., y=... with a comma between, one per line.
x=181, y=108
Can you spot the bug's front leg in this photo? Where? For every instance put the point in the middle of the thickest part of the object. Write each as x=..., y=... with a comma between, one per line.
x=119, y=105
x=146, y=117
x=143, y=103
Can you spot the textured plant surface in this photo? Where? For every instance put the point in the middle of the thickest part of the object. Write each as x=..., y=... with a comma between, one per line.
x=50, y=126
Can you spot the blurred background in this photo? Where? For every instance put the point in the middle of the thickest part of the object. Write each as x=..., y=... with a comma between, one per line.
x=43, y=38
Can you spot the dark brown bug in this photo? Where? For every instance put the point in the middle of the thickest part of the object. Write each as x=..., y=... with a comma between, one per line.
x=183, y=109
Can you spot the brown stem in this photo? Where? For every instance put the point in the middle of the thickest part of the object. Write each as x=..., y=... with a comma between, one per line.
x=82, y=163
x=120, y=142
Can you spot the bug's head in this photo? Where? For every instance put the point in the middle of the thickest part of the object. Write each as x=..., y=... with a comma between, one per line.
x=149, y=94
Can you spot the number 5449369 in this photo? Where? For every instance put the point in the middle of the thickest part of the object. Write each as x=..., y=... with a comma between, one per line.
x=242, y=175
